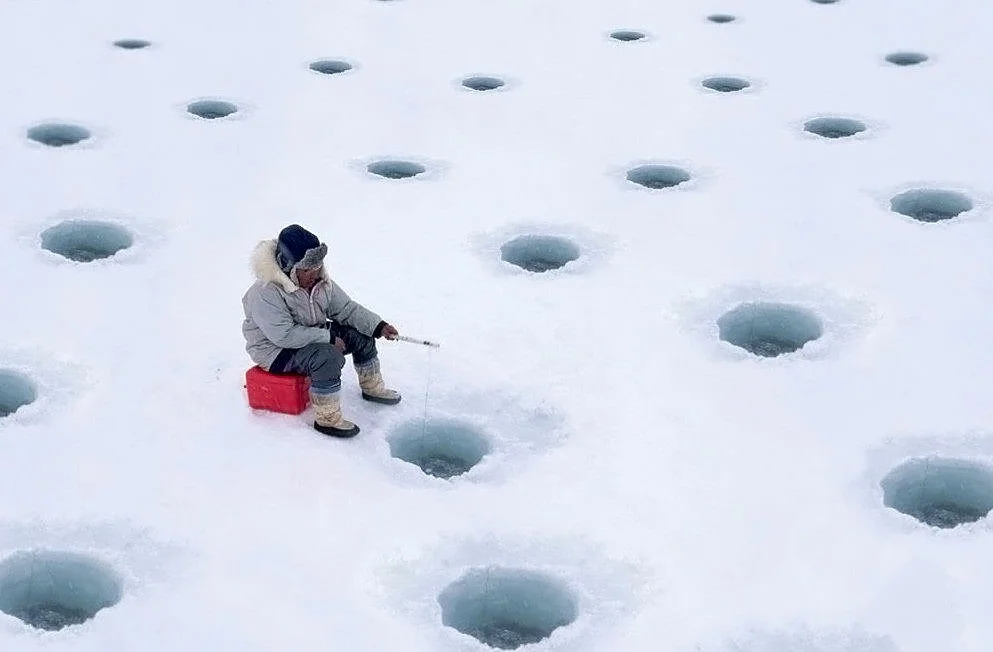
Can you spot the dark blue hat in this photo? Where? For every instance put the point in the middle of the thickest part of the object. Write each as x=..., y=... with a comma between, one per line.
x=296, y=246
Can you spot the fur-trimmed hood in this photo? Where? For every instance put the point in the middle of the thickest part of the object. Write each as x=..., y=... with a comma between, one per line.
x=267, y=269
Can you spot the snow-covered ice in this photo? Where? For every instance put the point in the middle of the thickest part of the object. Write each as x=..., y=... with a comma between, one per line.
x=711, y=282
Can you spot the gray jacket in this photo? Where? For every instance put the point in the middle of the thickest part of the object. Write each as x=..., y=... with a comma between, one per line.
x=281, y=315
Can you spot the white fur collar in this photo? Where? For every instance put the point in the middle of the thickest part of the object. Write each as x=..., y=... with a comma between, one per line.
x=267, y=270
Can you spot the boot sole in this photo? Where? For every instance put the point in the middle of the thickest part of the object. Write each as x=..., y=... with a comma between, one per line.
x=383, y=401
x=336, y=432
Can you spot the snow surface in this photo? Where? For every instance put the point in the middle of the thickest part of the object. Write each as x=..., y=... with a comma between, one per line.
x=687, y=494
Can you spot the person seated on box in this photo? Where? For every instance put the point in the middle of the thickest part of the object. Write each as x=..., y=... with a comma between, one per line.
x=297, y=320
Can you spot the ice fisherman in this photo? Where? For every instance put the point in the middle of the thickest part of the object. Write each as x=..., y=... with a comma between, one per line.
x=297, y=320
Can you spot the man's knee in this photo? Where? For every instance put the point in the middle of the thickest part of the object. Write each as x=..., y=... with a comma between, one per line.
x=325, y=358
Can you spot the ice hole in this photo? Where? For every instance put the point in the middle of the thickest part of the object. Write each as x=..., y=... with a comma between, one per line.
x=56, y=134
x=539, y=253
x=940, y=492
x=769, y=329
x=906, y=58
x=396, y=169
x=506, y=608
x=330, y=66
x=482, y=83
x=930, y=205
x=441, y=448
x=212, y=109
x=658, y=176
x=84, y=240
x=52, y=590
x=726, y=84
x=824, y=2
x=627, y=35
x=16, y=391
x=132, y=44
x=721, y=18
x=834, y=127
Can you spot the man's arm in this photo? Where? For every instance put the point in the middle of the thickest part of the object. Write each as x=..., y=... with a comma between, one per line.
x=344, y=310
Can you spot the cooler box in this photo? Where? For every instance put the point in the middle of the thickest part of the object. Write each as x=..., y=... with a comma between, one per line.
x=286, y=393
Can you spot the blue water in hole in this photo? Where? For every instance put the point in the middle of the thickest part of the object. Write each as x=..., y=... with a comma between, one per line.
x=506, y=608
x=926, y=205
x=658, y=177
x=56, y=134
x=940, y=492
x=52, y=590
x=539, y=253
x=769, y=330
x=396, y=169
x=16, y=391
x=84, y=241
x=212, y=109
x=834, y=127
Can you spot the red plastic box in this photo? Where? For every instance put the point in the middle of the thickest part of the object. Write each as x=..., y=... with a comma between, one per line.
x=285, y=393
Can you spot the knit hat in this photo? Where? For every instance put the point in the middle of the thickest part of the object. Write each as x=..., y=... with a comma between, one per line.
x=298, y=247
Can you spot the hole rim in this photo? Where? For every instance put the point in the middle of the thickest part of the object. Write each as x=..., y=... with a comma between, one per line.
x=25, y=393
x=132, y=44
x=415, y=444
x=34, y=133
x=235, y=113
x=65, y=566
x=488, y=586
x=336, y=62
x=908, y=475
x=860, y=128
x=741, y=317
x=927, y=192
x=68, y=228
x=626, y=35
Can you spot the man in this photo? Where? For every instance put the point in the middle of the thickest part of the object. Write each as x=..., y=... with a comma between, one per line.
x=298, y=321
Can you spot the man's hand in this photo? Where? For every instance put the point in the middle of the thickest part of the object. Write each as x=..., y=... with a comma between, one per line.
x=389, y=332
x=339, y=344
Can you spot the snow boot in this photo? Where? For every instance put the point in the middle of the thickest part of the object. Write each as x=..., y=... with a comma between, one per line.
x=373, y=387
x=327, y=410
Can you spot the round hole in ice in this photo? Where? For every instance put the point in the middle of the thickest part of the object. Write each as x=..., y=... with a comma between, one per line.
x=132, y=43
x=658, y=177
x=769, y=329
x=330, y=66
x=58, y=134
x=84, y=241
x=726, y=84
x=539, y=253
x=506, y=608
x=940, y=492
x=16, y=391
x=824, y=2
x=392, y=169
x=906, y=58
x=212, y=109
x=828, y=127
x=721, y=18
x=51, y=590
x=442, y=448
x=627, y=35
x=927, y=205
x=483, y=83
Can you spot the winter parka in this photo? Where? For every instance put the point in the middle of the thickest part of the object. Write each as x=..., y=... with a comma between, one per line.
x=281, y=315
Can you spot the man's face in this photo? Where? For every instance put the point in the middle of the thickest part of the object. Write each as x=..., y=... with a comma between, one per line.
x=308, y=277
